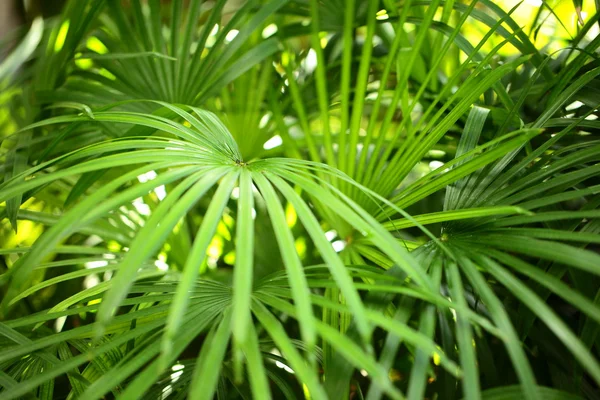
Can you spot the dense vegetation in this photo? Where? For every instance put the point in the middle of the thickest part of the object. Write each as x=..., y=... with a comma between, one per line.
x=301, y=199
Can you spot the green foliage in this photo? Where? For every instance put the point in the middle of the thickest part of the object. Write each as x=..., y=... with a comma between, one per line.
x=300, y=199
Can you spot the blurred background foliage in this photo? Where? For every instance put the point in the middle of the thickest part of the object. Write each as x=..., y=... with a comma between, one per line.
x=551, y=26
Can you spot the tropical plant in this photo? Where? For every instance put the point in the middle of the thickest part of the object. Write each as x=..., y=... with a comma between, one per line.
x=301, y=199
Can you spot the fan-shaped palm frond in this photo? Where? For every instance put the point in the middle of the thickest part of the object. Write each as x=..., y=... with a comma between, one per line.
x=200, y=157
x=427, y=226
x=132, y=57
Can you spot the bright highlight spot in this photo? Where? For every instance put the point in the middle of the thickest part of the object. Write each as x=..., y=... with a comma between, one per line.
x=166, y=392
x=148, y=176
x=231, y=35
x=435, y=164
x=574, y=106
x=229, y=258
x=300, y=245
x=94, y=44
x=436, y=153
x=338, y=245
x=141, y=207
x=285, y=367
x=330, y=235
x=290, y=215
x=178, y=371
x=273, y=142
x=280, y=364
x=61, y=37
x=83, y=63
x=90, y=281
x=96, y=264
x=160, y=264
x=59, y=323
x=263, y=121
x=160, y=191
x=269, y=31
x=310, y=62
x=382, y=15
x=534, y=3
